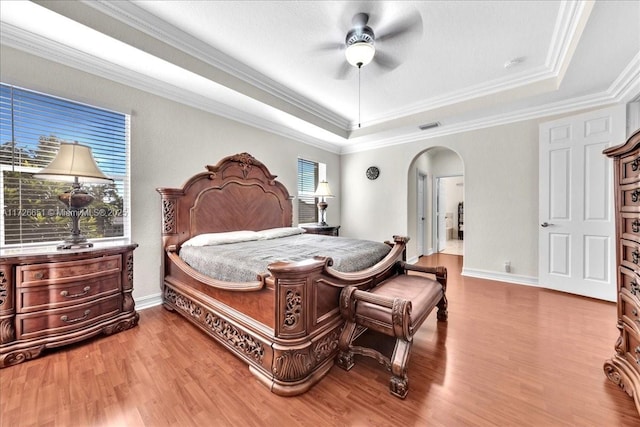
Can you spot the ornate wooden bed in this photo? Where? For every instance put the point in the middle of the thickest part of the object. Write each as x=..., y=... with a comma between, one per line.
x=285, y=325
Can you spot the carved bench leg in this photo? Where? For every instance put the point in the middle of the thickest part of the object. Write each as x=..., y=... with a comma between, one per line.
x=345, y=356
x=399, y=384
x=443, y=314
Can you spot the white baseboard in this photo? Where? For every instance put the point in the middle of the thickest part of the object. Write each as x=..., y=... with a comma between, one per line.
x=501, y=277
x=148, y=301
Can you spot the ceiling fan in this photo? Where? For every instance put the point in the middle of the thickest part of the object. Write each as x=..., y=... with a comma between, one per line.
x=363, y=46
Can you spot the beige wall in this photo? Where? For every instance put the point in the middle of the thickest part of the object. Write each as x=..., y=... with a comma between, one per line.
x=169, y=143
x=500, y=193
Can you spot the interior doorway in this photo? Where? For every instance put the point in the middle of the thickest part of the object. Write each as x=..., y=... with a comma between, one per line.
x=435, y=166
x=449, y=214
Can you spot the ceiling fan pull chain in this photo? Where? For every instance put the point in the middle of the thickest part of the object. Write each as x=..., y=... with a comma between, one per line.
x=359, y=109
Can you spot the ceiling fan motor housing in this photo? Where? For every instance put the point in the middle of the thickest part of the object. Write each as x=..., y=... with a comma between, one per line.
x=360, y=35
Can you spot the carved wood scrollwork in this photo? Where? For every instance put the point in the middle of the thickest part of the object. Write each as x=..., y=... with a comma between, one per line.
x=635, y=164
x=168, y=216
x=130, y=270
x=183, y=303
x=4, y=292
x=293, y=308
x=635, y=225
x=7, y=331
x=292, y=365
x=635, y=256
x=326, y=346
x=240, y=340
x=635, y=196
x=245, y=161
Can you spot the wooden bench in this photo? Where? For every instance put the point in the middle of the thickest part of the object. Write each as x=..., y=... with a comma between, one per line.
x=396, y=308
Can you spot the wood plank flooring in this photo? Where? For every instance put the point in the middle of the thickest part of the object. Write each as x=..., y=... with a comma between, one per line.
x=509, y=356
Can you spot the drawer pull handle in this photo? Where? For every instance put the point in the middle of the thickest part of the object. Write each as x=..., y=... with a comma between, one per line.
x=634, y=312
x=635, y=196
x=634, y=287
x=635, y=164
x=66, y=319
x=634, y=256
x=635, y=226
x=85, y=290
x=38, y=275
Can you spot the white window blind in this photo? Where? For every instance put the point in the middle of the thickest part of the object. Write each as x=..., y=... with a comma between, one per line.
x=32, y=125
x=308, y=173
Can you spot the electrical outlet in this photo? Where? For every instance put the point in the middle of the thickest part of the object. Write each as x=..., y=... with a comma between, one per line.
x=507, y=266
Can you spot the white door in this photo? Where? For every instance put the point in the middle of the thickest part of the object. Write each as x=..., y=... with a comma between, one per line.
x=577, y=230
x=420, y=214
x=441, y=216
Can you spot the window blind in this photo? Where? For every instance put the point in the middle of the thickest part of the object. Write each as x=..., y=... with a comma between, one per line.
x=32, y=125
x=307, y=183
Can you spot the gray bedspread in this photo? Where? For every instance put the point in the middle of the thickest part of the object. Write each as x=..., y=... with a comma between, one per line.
x=242, y=262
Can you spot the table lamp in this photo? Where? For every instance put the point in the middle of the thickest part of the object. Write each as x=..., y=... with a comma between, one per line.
x=322, y=192
x=74, y=163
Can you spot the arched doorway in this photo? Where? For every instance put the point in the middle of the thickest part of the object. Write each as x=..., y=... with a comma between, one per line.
x=436, y=203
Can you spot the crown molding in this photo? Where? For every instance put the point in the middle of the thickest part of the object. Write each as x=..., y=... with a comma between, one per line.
x=141, y=20
x=624, y=89
x=570, y=14
x=34, y=44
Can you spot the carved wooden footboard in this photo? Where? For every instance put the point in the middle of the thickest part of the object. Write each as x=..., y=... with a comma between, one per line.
x=286, y=325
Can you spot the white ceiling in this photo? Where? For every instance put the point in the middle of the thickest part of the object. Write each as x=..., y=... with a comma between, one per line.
x=276, y=64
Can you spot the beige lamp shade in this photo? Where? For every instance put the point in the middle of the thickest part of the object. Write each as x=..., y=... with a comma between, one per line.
x=73, y=161
x=323, y=190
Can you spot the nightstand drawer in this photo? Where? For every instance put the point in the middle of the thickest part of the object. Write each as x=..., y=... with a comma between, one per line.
x=62, y=272
x=52, y=322
x=32, y=298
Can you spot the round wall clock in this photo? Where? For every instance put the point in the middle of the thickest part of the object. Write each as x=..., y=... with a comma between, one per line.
x=373, y=172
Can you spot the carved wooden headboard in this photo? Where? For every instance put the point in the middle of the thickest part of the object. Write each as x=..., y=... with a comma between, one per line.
x=239, y=193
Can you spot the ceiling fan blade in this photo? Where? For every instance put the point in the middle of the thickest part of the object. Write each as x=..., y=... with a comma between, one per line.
x=409, y=25
x=344, y=71
x=328, y=47
x=385, y=61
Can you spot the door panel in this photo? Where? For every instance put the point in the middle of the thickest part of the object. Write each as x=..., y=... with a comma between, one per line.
x=576, y=250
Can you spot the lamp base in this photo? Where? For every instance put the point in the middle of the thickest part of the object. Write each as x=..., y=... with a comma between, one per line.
x=74, y=245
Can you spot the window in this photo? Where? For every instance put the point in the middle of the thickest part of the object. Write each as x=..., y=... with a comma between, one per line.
x=309, y=174
x=32, y=125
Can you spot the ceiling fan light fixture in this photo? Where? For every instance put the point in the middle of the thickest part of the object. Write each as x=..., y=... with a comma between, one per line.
x=360, y=53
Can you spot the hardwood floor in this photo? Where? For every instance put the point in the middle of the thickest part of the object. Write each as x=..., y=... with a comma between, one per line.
x=509, y=356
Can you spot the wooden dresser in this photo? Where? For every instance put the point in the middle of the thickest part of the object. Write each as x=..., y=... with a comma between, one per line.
x=624, y=367
x=50, y=298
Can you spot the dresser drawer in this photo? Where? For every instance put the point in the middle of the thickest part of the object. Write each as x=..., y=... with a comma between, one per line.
x=630, y=256
x=33, y=298
x=64, y=320
x=630, y=197
x=630, y=310
x=632, y=353
x=630, y=222
x=63, y=272
x=630, y=168
x=629, y=282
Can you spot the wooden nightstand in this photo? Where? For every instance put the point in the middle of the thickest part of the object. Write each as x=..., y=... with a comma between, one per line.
x=50, y=298
x=327, y=230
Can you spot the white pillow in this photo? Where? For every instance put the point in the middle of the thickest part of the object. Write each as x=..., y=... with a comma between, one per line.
x=210, y=239
x=274, y=233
